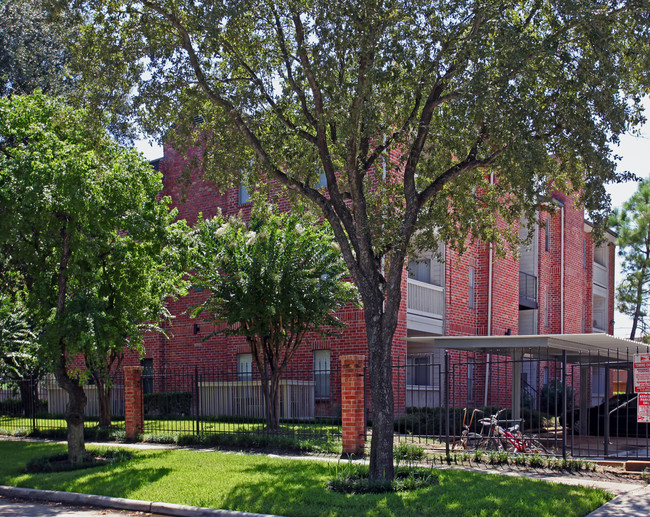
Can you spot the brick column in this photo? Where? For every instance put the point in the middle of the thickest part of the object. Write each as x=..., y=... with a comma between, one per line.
x=133, y=414
x=352, y=402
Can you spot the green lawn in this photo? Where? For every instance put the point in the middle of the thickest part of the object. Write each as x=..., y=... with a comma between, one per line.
x=291, y=487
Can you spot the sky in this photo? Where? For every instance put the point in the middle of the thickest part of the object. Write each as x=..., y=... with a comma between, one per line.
x=634, y=151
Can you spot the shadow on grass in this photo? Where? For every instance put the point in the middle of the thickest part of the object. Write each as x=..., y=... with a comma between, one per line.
x=116, y=479
x=283, y=492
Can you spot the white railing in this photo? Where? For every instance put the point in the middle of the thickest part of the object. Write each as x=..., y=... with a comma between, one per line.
x=601, y=275
x=423, y=396
x=245, y=398
x=425, y=298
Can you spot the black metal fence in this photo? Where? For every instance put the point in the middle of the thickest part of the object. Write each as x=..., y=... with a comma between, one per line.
x=187, y=403
x=207, y=401
x=579, y=405
x=37, y=405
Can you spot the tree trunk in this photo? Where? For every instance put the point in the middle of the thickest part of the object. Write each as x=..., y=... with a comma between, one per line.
x=381, y=389
x=27, y=397
x=104, y=397
x=74, y=414
x=275, y=400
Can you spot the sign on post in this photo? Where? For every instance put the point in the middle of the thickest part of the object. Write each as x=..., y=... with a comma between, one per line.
x=642, y=386
x=641, y=373
x=643, y=414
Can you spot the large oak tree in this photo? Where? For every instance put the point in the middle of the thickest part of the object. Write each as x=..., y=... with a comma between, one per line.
x=406, y=106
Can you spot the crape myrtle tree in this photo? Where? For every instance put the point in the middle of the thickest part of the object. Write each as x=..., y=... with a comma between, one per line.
x=81, y=222
x=273, y=281
x=407, y=107
x=632, y=223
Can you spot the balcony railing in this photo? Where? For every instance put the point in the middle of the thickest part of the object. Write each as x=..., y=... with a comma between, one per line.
x=427, y=299
x=527, y=290
x=601, y=275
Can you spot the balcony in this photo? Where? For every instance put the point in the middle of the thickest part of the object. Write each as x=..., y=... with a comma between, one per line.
x=425, y=307
x=527, y=291
x=601, y=275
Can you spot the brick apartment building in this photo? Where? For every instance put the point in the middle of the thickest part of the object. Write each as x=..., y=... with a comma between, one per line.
x=561, y=284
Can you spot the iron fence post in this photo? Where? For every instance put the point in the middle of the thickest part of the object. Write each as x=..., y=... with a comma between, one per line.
x=196, y=400
x=606, y=415
x=564, y=402
x=447, y=405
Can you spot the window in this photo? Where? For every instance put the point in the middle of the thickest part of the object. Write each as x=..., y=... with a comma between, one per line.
x=583, y=319
x=147, y=375
x=244, y=367
x=418, y=371
x=547, y=235
x=322, y=180
x=322, y=374
x=470, y=381
x=471, y=288
x=420, y=270
x=546, y=309
x=244, y=195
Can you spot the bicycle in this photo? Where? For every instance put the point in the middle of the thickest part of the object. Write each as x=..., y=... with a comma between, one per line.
x=468, y=439
x=510, y=439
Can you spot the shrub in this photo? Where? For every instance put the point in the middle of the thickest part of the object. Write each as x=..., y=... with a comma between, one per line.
x=171, y=403
x=552, y=397
x=351, y=478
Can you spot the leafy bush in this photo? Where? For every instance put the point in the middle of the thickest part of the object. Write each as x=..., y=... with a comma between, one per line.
x=408, y=453
x=432, y=421
x=552, y=397
x=14, y=407
x=171, y=403
x=352, y=478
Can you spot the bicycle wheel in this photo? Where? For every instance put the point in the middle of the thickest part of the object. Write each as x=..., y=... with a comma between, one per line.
x=490, y=444
x=535, y=446
x=473, y=441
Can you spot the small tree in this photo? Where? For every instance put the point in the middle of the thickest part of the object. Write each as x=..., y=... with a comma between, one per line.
x=19, y=361
x=81, y=223
x=632, y=223
x=271, y=282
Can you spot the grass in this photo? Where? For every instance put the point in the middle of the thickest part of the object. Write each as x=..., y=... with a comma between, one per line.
x=258, y=483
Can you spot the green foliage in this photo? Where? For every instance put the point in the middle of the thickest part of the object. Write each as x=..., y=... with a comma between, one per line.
x=18, y=342
x=273, y=281
x=33, y=52
x=408, y=453
x=80, y=220
x=432, y=421
x=14, y=407
x=164, y=404
x=553, y=395
x=81, y=223
x=632, y=224
x=353, y=478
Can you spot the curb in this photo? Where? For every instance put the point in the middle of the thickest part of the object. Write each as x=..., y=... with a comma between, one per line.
x=118, y=503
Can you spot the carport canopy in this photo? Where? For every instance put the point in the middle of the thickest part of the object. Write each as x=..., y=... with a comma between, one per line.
x=584, y=349
x=598, y=347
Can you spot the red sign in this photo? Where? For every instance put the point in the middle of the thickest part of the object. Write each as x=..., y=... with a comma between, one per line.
x=644, y=408
x=641, y=373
